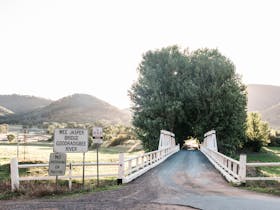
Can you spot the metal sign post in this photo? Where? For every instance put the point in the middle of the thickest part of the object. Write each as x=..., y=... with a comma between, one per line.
x=97, y=139
x=56, y=182
x=83, y=170
x=97, y=164
x=24, y=140
x=71, y=140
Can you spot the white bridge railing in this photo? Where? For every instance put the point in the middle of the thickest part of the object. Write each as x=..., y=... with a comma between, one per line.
x=125, y=170
x=234, y=171
x=231, y=169
x=136, y=166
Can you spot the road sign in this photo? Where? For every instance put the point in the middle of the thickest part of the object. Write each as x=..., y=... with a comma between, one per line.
x=97, y=134
x=97, y=141
x=70, y=140
x=57, y=164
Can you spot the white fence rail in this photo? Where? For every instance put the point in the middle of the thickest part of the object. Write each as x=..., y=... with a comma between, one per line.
x=228, y=167
x=15, y=178
x=271, y=164
x=126, y=170
x=233, y=170
x=136, y=166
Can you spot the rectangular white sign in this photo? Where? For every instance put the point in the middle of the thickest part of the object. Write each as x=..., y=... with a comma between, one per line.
x=97, y=141
x=57, y=164
x=97, y=132
x=69, y=140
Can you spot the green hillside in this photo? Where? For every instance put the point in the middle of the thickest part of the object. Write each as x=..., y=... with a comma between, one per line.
x=261, y=97
x=4, y=111
x=22, y=103
x=74, y=108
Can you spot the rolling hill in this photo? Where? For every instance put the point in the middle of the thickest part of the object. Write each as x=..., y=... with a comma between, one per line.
x=4, y=111
x=266, y=100
x=75, y=108
x=22, y=103
x=261, y=97
x=85, y=108
x=272, y=115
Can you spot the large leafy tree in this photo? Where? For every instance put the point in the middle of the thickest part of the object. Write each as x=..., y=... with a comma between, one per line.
x=220, y=100
x=157, y=104
x=189, y=94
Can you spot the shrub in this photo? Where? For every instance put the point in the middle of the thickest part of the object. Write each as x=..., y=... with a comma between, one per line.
x=120, y=139
x=11, y=137
x=257, y=132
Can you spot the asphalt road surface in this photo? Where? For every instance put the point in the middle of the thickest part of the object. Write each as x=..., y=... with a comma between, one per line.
x=187, y=180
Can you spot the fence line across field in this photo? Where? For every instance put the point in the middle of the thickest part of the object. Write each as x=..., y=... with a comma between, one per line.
x=15, y=179
x=126, y=170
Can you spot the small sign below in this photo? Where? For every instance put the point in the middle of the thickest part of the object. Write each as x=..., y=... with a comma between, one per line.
x=97, y=141
x=57, y=164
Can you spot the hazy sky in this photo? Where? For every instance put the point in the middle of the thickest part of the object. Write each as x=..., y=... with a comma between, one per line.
x=54, y=48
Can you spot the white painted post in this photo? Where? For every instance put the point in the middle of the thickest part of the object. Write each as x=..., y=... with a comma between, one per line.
x=14, y=174
x=234, y=168
x=242, y=167
x=137, y=164
x=121, y=168
x=70, y=177
x=142, y=162
x=156, y=157
x=129, y=167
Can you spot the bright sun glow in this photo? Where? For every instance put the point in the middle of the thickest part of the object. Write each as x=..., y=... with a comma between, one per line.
x=55, y=48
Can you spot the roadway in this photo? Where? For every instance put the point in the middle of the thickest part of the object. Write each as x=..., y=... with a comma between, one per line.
x=187, y=180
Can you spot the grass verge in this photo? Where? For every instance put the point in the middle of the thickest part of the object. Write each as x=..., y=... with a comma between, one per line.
x=267, y=154
x=47, y=189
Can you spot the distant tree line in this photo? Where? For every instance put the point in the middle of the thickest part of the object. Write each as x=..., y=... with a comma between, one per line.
x=113, y=135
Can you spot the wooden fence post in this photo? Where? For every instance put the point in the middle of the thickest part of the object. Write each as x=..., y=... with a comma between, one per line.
x=121, y=168
x=242, y=168
x=14, y=174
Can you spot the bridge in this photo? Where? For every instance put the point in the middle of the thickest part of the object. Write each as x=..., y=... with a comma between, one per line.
x=171, y=179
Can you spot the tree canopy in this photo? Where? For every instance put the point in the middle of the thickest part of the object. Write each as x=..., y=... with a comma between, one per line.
x=257, y=132
x=189, y=93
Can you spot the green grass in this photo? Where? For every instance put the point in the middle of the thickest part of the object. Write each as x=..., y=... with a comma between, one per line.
x=39, y=153
x=49, y=190
x=36, y=152
x=274, y=190
x=267, y=154
x=4, y=172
